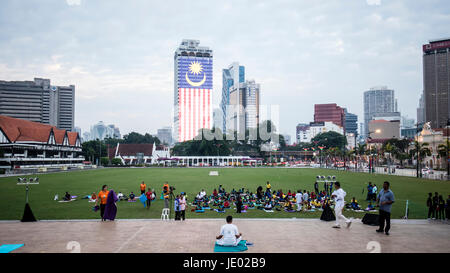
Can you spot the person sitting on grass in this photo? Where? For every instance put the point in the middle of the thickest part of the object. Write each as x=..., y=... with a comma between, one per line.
x=132, y=197
x=67, y=197
x=199, y=197
x=226, y=204
x=288, y=206
x=93, y=197
x=354, y=204
x=120, y=196
x=221, y=208
x=268, y=205
x=229, y=234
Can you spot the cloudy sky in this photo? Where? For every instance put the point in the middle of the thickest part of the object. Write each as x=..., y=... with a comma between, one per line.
x=119, y=54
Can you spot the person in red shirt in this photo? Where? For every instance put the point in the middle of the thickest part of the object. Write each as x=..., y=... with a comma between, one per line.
x=102, y=197
x=149, y=197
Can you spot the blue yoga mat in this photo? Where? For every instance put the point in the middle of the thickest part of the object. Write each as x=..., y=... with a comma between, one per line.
x=9, y=248
x=239, y=248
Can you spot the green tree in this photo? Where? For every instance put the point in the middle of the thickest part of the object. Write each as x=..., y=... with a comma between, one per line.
x=92, y=150
x=136, y=138
x=422, y=149
x=330, y=139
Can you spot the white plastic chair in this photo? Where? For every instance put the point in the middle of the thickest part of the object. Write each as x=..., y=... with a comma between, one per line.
x=165, y=214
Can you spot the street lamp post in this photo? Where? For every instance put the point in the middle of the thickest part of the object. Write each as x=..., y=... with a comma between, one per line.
x=371, y=167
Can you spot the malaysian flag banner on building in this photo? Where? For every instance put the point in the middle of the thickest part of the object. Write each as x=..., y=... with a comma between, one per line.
x=194, y=96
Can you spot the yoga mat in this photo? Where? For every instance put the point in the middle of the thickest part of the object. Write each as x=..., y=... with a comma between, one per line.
x=9, y=248
x=239, y=248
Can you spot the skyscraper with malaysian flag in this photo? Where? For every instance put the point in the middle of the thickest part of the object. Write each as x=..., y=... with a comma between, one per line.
x=193, y=86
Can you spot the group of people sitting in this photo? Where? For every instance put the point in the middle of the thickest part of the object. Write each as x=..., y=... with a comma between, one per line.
x=354, y=205
x=267, y=200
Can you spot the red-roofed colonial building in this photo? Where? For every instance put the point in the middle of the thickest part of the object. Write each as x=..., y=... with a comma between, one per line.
x=30, y=145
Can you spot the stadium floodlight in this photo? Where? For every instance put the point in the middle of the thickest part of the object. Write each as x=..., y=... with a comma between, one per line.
x=31, y=180
x=334, y=178
x=36, y=179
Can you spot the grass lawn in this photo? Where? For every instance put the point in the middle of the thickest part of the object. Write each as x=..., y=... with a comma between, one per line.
x=191, y=181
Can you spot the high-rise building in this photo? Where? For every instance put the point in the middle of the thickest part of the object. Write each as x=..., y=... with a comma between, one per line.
x=436, y=79
x=351, y=122
x=421, y=110
x=218, y=118
x=39, y=101
x=86, y=136
x=243, y=110
x=101, y=131
x=193, y=86
x=329, y=112
x=165, y=135
x=231, y=78
x=378, y=101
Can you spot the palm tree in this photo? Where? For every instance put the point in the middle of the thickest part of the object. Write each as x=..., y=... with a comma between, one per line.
x=361, y=150
x=421, y=149
x=443, y=150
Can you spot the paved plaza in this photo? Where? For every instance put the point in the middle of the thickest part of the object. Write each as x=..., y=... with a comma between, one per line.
x=197, y=235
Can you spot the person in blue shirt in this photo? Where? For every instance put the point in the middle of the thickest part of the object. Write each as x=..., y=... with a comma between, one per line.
x=176, y=208
x=385, y=200
x=369, y=191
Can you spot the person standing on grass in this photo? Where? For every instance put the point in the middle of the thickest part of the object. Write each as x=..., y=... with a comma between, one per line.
x=339, y=195
x=305, y=199
x=447, y=208
x=385, y=199
x=435, y=205
x=374, y=192
x=143, y=187
x=299, y=200
x=102, y=198
x=239, y=204
x=183, y=206
x=441, y=209
x=430, y=206
x=316, y=187
x=149, y=198
x=369, y=192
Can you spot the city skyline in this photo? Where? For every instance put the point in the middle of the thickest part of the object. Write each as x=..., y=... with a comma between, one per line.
x=301, y=52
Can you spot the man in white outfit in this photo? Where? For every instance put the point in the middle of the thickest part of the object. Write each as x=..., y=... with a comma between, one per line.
x=229, y=234
x=299, y=200
x=338, y=196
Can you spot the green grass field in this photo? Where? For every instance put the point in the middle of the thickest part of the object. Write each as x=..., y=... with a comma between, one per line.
x=192, y=180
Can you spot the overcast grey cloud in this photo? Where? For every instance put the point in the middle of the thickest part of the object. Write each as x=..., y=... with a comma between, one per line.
x=119, y=54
